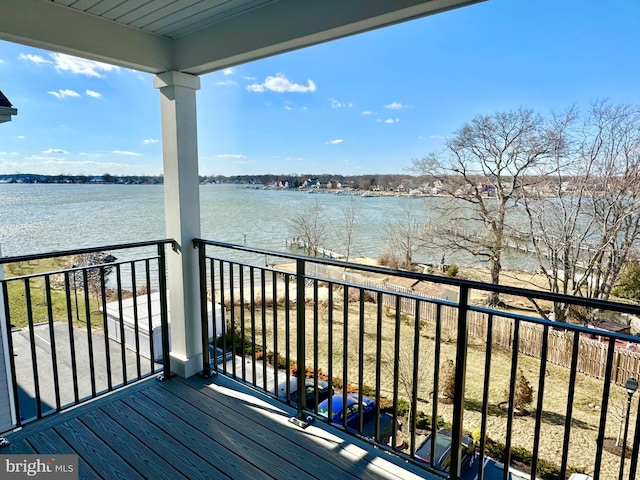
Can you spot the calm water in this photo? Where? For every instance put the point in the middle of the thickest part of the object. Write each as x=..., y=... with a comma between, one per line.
x=43, y=218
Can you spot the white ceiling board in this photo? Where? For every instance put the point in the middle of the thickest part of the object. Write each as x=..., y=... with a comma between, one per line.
x=197, y=36
x=44, y=25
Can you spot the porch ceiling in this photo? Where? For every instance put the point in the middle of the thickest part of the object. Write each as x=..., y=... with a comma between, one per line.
x=197, y=36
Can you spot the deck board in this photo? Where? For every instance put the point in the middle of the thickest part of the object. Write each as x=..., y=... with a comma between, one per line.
x=202, y=429
x=227, y=461
x=282, y=439
x=139, y=456
x=171, y=450
x=95, y=452
x=48, y=441
x=251, y=444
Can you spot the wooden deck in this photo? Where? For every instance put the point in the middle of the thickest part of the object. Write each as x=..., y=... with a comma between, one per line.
x=208, y=429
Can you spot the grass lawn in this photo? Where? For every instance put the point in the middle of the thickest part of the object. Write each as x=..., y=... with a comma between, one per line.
x=62, y=303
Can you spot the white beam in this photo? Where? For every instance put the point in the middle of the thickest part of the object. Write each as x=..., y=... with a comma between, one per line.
x=293, y=24
x=182, y=215
x=61, y=29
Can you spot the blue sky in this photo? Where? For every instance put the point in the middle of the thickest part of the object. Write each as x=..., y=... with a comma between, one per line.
x=361, y=105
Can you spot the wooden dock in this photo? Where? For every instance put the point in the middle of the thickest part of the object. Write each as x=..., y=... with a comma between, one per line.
x=322, y=252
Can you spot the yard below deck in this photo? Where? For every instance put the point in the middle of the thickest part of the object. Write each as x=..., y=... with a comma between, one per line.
x=195, y=428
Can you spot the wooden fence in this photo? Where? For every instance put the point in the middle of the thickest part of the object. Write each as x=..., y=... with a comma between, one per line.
x=592, y=354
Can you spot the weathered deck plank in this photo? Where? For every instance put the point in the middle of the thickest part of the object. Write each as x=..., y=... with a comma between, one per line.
x=202, y=429
x=285, y=440
x=254, y=447
x=170, y=449
x=48, y=441
x=226, y=460
x=95, y=452
x=142, y=458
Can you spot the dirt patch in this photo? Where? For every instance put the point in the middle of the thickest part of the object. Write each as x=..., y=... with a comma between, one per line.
x=610, y=446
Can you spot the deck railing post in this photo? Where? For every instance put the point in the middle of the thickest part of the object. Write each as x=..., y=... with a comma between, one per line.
x=206, y=372
x=164, y=313
x=301, y=419
x=458, y=398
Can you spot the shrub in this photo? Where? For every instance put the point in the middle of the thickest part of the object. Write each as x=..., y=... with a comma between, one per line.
x=452, y=270
x=276, y=360
x=388, y=259
x=477, y=435
x=448, y=378
x=523, y=393
x=232, y=341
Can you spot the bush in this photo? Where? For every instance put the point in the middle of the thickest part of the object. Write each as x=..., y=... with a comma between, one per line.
x=276, y=360
x=388, y=259
x=452, y=270
x=231, y=340
x=448, y=379
x=546, y=470
x=523, y=394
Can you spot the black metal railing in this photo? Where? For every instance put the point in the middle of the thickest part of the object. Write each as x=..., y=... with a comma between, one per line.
x=79, y=324
x=357, y=328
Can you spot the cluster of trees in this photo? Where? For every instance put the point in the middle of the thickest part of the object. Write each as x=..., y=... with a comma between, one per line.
x=79, y=179
x=384, y=182
x=567, y=184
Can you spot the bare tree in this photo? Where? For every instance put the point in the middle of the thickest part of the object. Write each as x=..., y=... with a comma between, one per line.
x=346, y=228
x=483, y=171
x=309, y=228
x=402, y=235
x=584, y=223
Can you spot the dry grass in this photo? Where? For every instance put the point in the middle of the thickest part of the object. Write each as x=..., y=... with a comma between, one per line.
x=346, y=331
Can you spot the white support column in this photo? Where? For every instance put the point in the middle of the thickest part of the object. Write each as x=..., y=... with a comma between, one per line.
x=182, y=215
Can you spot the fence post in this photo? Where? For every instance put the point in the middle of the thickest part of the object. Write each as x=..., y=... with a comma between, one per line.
x=164, y=313
x=458, y=397
x=206, y=372
x=301, y=419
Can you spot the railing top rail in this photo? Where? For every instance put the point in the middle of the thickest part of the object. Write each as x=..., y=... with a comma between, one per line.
x=455, y=282
x=64, y=253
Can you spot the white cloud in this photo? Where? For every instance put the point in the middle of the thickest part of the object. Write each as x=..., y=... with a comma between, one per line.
x=281, y=84
x=294, y=159
x=80, y=66
x=65, y=93
x=91, y=93
x=389, y=120
x=1, y=61
x=21, y=137
x=54, y=150
x=148, y=141
x=337, y=141
x=37, y=59
x=336, y=104
x=287, y=107
x=230, y=155
x=227, y=82
x=396, y=106
x=368, y=112
x=229, y=71
x=126, y=153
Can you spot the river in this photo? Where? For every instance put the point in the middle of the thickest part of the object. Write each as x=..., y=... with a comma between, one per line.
x=37, y=218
